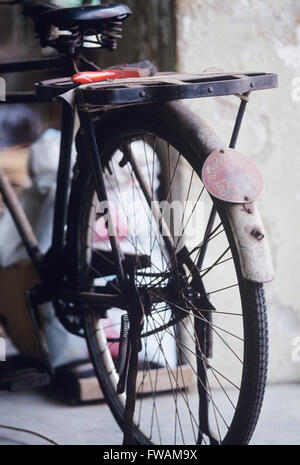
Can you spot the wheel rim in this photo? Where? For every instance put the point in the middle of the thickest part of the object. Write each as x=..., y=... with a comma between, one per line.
x=167, y=382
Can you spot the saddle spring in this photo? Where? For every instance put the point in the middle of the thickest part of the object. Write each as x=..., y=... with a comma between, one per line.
x=110, y=35
x=69, y=44
x=66, y=43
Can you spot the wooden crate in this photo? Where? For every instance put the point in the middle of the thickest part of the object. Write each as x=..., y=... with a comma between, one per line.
x=77, y=383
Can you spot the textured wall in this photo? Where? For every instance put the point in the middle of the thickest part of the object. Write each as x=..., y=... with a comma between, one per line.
x=259, y=35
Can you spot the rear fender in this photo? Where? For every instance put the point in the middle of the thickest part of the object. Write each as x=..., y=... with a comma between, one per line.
x=251, y=242
x=238, y=204
x=235, y=181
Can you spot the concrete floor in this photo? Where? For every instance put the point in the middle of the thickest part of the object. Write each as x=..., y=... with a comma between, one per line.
x=93, y=424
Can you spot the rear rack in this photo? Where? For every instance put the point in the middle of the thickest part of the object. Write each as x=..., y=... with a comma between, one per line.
x=159, y=88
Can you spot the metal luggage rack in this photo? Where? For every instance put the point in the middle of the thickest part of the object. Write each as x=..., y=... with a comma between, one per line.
x=159, y=88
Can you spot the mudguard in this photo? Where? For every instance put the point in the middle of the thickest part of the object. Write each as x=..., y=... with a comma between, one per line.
x=243, y=216
x=251, y=242
x=233, y=179
x=230, y=177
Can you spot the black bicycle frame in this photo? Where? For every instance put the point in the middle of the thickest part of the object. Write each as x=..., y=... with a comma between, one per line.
x=39, y=64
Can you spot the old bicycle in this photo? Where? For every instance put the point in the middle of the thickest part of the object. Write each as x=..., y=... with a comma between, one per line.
x=176, y=264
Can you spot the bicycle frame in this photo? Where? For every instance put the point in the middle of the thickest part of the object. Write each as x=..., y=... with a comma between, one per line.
x=58, y=63
x=51, y=266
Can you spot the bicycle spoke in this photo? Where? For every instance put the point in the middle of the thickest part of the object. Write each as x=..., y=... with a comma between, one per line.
x=191, y=361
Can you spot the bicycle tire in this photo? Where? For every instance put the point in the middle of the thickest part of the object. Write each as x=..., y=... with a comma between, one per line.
x=125, y=125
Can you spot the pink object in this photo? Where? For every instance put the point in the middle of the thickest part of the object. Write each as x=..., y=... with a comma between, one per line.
x=110, y=332
x=229, y=176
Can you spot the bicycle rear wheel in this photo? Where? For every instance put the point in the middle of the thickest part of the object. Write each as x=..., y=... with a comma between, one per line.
x=202, y=368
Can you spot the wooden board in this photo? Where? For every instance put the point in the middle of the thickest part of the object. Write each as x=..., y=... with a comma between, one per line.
x=77, y=384
x=13, y=161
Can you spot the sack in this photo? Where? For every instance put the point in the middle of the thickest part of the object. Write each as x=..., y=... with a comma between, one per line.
x=16, y=272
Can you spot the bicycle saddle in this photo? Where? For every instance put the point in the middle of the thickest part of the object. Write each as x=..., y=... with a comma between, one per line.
x=86, y=17
x=81, y=21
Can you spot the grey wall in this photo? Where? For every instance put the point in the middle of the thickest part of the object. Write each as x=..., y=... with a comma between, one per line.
x=260, y=36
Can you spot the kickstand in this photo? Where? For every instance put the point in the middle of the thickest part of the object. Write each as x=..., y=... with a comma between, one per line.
x=136, y=320
x=129, y=438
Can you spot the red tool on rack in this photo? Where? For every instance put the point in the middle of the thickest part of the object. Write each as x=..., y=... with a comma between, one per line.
x=88, y=77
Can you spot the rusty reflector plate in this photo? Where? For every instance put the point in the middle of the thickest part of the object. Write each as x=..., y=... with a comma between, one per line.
x=228, y=175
